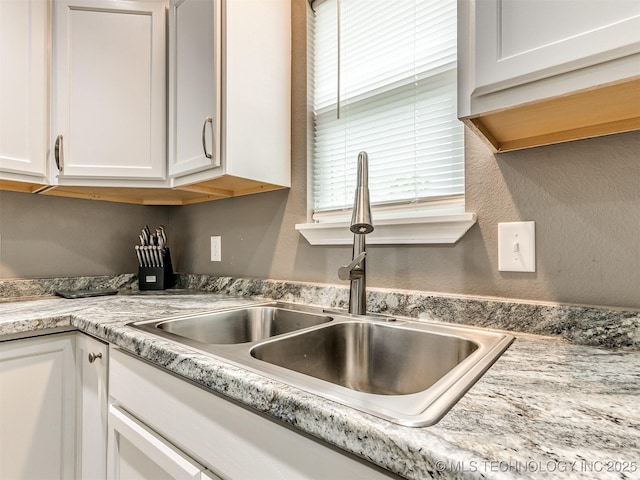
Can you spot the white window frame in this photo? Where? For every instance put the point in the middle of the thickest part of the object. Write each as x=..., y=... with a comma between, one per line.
x=430, y=222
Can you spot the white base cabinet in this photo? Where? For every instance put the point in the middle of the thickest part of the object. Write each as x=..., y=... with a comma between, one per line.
x=136, y=451
x=92, y=365
x=59, y=421
x=37, y=408
x=52, y=408
x=162, y=422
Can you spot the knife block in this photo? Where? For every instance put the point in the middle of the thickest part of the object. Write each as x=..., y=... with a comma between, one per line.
x=157, y=278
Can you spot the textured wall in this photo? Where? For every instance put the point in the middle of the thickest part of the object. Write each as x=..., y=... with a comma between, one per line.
x=44, y=236
x=584, y=197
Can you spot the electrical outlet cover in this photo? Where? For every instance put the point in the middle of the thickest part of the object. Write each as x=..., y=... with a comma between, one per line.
x=517, y=247
x=216, y=249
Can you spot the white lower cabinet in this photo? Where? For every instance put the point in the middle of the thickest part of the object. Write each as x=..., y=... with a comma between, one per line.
x=50, y=403
x=37, y=408
x=58, y=420
x=92, y=357
x=161, y=426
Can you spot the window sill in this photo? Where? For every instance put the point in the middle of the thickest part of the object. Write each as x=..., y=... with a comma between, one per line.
x=436, y=229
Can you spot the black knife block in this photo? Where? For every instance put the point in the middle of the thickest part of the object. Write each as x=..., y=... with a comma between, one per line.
x=157, y=278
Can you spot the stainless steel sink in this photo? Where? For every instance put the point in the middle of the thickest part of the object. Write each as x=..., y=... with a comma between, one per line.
x=242, y=325
x=369, y=357
x=406, y=371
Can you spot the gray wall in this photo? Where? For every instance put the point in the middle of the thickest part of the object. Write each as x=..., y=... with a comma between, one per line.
x=584, y=197
x=44, y=236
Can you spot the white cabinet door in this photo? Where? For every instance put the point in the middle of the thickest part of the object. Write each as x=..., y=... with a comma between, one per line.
x=534, y=72
x=523, y=40
x=257, y=90
x=92, y=402
x=230, y=62
x=24, y=84
x=194, y=85
x=137, y=452
x=109, y=84
x=37, y=413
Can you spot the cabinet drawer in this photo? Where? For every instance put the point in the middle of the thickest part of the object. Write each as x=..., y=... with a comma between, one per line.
x=137, y=451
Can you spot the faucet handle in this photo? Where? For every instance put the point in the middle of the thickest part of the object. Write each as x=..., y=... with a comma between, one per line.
x=346, y=272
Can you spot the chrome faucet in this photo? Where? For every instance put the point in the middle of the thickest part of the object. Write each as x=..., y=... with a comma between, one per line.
x=361, y=225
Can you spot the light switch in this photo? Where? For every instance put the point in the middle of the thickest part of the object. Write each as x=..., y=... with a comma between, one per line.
x=517, y=247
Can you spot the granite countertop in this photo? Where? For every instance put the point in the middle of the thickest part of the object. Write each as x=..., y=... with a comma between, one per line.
x=547, y=408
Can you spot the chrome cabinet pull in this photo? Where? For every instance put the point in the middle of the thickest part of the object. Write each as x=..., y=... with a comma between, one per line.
x=204, y=141
x=94, y=356
x=58, y=153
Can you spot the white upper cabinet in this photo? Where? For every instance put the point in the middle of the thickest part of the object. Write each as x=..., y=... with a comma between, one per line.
x=194, y=85
x=109, y=84
x=230, y=95
x=534, y=72
x=24, y=96
x=228, y=100
x=526, y=40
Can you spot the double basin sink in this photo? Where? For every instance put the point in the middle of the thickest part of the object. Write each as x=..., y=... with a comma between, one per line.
x=406, y=371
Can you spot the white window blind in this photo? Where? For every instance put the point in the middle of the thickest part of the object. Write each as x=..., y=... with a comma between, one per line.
x=384, y=81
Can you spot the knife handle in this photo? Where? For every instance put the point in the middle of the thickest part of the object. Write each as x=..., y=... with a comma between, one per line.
x=139, y=255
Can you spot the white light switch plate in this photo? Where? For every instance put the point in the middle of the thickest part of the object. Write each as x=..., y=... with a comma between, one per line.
x=216, y=249
x=517, y=247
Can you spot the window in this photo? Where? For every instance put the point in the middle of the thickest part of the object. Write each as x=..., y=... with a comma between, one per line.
x=384, y=81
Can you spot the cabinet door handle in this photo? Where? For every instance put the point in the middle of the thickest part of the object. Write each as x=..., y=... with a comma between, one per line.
x=57, y=151
x=208, y=120
x=94, y=356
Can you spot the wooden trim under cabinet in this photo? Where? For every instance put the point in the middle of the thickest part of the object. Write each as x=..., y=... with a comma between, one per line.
x=222, y=187
x=604, y=110
x=24, y=187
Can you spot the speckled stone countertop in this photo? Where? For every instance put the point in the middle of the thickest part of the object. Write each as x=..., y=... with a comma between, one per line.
x=546, y=409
